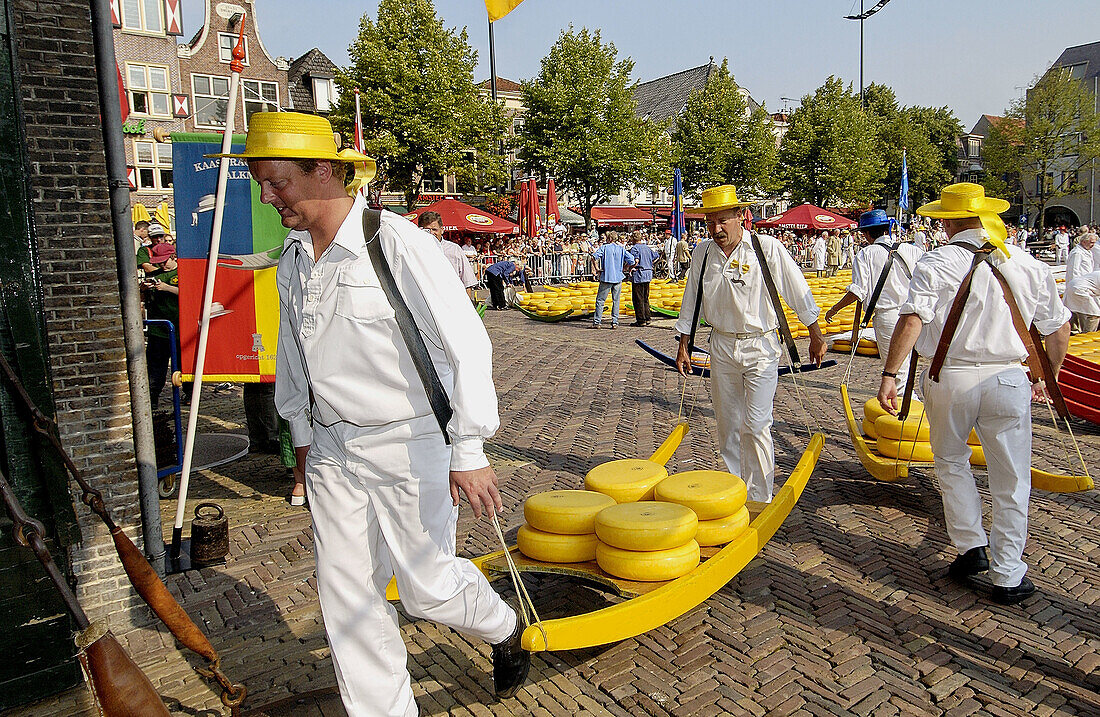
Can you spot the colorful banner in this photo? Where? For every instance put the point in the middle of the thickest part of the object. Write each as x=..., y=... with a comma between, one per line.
x=499, y=8
x=244, y=320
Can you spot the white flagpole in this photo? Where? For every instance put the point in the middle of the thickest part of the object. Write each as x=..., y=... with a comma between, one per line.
x=236, y=67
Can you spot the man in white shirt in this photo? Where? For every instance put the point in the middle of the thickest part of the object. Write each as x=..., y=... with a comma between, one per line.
x=981, y=385
x=432, y=223
x=866, y=273
x=1082, y=261
x=1061, y=245
x=744, y=349
x=819, y=253
x=382, y=481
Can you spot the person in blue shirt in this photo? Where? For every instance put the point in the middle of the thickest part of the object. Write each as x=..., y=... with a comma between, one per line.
x=495, y=276
x=610, y=259
x=640, y=277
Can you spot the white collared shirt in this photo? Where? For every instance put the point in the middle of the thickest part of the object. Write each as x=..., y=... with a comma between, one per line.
x=1080, y=261
x=735, y=299
x=868, y=265
x=458, y=260
x=985, y=333
x=1083, y=294
x=339, y=336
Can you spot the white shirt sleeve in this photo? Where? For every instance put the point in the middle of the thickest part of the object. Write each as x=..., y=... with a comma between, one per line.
x=691, y=290
x=859, y=268
x=1050, y=312
x=923, y=296
x=447, y=320
x=291, y=379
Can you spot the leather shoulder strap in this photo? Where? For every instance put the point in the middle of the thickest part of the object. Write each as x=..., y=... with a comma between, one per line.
x=954, y=315
x=777, y=306
x=698, y=301
x=437, y=397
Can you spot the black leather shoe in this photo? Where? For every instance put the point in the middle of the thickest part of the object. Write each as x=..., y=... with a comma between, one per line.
x=1011, y=596
x=971, y=562
x=510, y=663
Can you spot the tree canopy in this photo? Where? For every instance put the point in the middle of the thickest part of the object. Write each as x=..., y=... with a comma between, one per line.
x=717, y=140
x=830, y=152
x=581, y=127
x=1053, y=132
x=421, y=112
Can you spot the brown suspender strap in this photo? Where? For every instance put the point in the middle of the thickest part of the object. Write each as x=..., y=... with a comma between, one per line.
x=855, y=323
x=955, y=314
x=698, y=302
x=773, y=294
x=1037, y=359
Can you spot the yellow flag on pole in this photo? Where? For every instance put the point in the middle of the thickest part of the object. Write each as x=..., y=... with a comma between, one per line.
x=499, y=8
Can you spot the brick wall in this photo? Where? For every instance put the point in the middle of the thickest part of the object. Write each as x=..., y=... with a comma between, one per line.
x=68, y=193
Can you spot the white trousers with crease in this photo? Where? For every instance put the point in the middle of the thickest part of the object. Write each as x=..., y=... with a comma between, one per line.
x=381, y=506
x=742, y=383
x=995, y=401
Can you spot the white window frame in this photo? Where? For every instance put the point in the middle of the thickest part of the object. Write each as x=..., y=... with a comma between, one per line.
x=195, y=98
x=973, y=147
x=265, y=104
x=148, y=90
x=142, y=25
x=233, y=37
x=332, y=96
x=160, y=162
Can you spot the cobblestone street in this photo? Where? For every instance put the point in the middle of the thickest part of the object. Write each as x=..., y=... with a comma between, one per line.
x=846, y=611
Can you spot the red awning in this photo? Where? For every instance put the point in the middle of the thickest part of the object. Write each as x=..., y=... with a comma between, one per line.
x=461, y=217
x=608, y=216
x=807, y=216
x=666, y=214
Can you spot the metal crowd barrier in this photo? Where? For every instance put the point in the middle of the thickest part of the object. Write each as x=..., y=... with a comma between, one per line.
x=550, y=268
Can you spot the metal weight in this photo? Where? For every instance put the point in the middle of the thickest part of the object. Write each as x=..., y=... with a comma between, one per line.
x=209, y=535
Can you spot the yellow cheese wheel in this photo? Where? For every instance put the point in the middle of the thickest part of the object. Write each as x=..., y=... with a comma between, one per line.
x=650, y=566
x=711, y=494
x=553, y=548
x=649, y=525
x=977, y=456
x=719, y=531
x=627, y=480
x=905, y=450
x=915, y=427
x=872, y=409
x=565, y=512
x=869, y=428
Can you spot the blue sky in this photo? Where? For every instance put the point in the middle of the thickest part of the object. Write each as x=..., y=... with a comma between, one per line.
x=974, y=56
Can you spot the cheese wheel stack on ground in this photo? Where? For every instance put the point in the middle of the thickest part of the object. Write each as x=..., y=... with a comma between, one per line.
x=717, y=498
x=647, y=541
x=561, y=525
x=908, y=440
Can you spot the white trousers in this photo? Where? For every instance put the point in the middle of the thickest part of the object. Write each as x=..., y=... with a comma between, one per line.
x=381, y=506
x=743, y=381
x=884, y=321
x=994, y=400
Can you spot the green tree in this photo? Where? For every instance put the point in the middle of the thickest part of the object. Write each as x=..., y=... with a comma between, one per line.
x=581, y=127
x=828, y=155
x=1052, y=132
x=928, y=137
x=422, y=114
x=717, y=140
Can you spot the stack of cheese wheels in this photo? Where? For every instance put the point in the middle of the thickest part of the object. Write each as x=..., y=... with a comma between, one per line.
x=716, y=498
x=908, y=440
x=561, y=525
x=648, y=541
x=627, y=480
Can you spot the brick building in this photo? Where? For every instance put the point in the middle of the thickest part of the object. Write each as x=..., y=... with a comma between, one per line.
x=145, y=46
x=62, y=328
x=204, y=69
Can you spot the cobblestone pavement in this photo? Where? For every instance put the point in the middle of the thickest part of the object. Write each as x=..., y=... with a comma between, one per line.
x=847, y=610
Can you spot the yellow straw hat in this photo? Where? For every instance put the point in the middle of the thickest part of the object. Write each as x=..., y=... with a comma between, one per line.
x=717, y=199
x=293, y=135
x=966, y=199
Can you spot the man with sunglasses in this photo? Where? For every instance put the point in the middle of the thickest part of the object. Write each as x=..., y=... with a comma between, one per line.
x=744, y=348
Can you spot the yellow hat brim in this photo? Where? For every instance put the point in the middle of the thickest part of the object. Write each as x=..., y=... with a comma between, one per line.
x=935, y=209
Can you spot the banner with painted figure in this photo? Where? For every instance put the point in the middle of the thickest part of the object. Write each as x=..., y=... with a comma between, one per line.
x=244, y=318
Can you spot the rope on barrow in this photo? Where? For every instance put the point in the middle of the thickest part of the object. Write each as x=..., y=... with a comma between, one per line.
x=526, y=605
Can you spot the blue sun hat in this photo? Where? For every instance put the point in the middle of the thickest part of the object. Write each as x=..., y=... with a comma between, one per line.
x=873, y=218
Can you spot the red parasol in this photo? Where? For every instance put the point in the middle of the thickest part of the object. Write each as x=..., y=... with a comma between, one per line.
x=535, y=223
x=807, y=216
x=553, y=214
x=460, y=217
x=522, y=207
